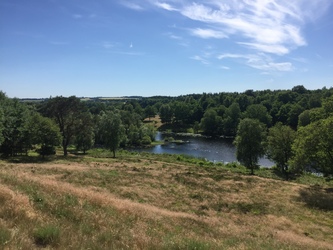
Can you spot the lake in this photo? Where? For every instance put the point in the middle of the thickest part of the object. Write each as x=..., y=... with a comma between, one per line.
x=216, y=150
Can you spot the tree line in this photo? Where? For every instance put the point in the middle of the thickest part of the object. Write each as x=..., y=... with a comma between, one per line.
x=292, y=127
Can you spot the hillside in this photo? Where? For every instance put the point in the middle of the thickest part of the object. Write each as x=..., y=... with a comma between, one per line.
x=142, y=203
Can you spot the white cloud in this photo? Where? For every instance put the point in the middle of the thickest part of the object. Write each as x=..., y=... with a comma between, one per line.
x=200, y=59
x=268, y=26
x=207, y=33
x=133, y=6
x=259, y=61
x=224, y=67
x=165, y=6
x=108, y=45
x=268, y=48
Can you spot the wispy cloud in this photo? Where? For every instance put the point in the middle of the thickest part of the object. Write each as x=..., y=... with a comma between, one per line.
x=132, y=5
x=259, y=61
x=108, y=45
x=165, y=6
x=273, y=27
x=207, y=33
x=200, y=59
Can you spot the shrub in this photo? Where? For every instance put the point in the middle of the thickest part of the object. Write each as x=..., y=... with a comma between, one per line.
x=47, y=235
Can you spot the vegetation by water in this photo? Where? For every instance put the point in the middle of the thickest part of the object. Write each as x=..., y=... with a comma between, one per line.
x=145, y=201
x=298, y=123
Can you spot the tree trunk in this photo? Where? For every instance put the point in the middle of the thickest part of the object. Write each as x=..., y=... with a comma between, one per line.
x=64, y=146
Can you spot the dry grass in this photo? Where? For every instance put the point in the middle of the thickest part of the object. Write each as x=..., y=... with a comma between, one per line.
x=150, y=204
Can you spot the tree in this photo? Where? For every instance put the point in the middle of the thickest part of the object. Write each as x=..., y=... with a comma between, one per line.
x=279, y=142
x=313, y=147
x=112, y=131
x=259, y=112
x=44, y=132
x=211, y=123
x=165, y=113
x=84, y=139
x=231, y=119
x=66, y=112
x=304, y=118
x=15, y=138
x=249, y=142
x=150, y=112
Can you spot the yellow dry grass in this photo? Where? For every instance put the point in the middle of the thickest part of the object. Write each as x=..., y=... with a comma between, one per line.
x=156, y=205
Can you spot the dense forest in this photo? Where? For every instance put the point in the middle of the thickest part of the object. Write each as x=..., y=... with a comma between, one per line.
x=293, y=127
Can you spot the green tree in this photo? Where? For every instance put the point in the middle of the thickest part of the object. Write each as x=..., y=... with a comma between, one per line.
x=15, y=116
x=304, y=118
x=166, y=113
x=259, y=112
x=150, y=112
x=211, y=123
x=279, y=141
x=249, y=142
x=313, y=147
x=66, y=112
x=85, y=138
x=44, y=132
x=231, y=119
x=112, y=131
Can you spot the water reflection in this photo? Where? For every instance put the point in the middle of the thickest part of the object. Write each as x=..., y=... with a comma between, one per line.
x=218, y=150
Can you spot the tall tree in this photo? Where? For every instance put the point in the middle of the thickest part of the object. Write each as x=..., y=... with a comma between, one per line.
x=14, y=136
x=313, y=147
x=249, y=142
x=231, y=119
x=112, y=131
x=84, y=139
x=166, y=113
x=150, y=112
x=66, y=112
x=279, y=141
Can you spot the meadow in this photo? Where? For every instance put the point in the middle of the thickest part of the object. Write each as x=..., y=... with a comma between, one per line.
x=143, y=201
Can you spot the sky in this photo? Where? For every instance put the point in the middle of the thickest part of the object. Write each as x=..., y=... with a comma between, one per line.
x=114, y=48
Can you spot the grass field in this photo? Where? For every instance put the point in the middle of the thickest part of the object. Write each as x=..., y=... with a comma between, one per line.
x=152, y=202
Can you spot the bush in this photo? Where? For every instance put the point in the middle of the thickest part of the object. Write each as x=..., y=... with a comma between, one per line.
x=46, y=150
x=146, y=140
x=47, y=235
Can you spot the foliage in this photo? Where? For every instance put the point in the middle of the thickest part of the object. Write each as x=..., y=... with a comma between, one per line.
x=279, y=142
x=66, y=112
x=259, y=112
x=112, y=131
x=211, y=123
x=249, y=142
x=14, y=126
x=47, y=235
x=84, y=138
x=44, y=132
x=313, y=147
x=166, y=113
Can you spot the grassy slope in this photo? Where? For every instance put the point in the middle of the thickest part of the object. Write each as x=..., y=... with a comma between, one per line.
x=134, y=202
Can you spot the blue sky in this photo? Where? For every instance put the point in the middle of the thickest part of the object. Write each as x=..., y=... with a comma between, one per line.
x=150, y=47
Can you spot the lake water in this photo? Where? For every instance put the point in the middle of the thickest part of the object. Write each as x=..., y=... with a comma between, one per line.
x=217, y=150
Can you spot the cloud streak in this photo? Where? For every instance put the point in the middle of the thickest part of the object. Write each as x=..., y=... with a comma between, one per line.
x=264, y=28
x=259, y=61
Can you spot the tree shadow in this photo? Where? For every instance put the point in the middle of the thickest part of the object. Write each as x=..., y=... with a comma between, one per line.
x=317, y=197
x=28, y=159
